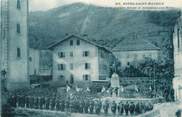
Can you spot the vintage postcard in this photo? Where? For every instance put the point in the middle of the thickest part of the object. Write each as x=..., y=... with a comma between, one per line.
x=91, y=58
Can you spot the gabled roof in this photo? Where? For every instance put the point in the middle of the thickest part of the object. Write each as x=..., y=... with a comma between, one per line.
x=78, y=37
x=131, y=44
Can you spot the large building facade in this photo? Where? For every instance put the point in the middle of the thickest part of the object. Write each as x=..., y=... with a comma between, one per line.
x=14, y=43
x=80, y=59
x=177, y=42
x=132, y=50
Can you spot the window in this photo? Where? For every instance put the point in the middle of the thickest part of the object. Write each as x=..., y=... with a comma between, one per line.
x=61, y=66
x=102, y=77
x=86, y=77
x=18, y=30
x=71, y=79
x=18, y=5
x=87, y=65
x=35, y=71
x=71, y=54
x=78, y=42
x=104, y=67
x=61, y=77
x=30, y=59
x=71, y=42
x=18, y=53
x=61, y=54
x=71, y=66
x=178, y=38
x=86, y=53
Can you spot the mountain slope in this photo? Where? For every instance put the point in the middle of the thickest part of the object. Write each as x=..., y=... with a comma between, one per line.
x=99, y=23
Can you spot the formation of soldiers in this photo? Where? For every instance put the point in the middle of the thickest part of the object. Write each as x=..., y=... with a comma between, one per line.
x=92, y=106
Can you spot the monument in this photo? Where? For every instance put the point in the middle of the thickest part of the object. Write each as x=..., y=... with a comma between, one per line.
x=115, y=84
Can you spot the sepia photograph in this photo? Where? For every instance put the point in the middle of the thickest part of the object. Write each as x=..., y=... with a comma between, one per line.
x=90, y=58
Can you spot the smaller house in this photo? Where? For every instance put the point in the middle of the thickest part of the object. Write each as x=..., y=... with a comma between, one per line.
x=40, y=65
x=129, y=50
x=76, y=58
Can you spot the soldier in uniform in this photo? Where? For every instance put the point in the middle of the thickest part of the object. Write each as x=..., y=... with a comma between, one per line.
x=15, y=101
x=39, y=103
x=132, y=108
x=53, y=104
x=113, y=107
x=137, y=108
x=126, y=108
x=47, y=100
x=100, y=105
x=97, y=107
x=76, y=106
x=50, y=104
x=12, y=101
x=121, y=108
x=18, y=100
x=36, y=101
x=82, y=106
x=106, y=106
x=31, y=101
x=67, y=105
x=42, y=102
x=27, y=101
x=57, y=105
x=62, y=104
x=86, y=106
x=91, y=106
x=142, y=108
x=71, y=106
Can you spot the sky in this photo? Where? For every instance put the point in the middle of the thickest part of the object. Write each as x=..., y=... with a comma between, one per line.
x=48, y=4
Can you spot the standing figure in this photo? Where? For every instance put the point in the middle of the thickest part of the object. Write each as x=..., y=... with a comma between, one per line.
x=120, y=108
x=57, y=105
x=132, y=108
x=97, y=107
x=62, y=104
x=91, y=106
x=126, y=108
x=86, y=106
x=106, y=106
x=47, y=101
x=113, y=107
x=67, y=105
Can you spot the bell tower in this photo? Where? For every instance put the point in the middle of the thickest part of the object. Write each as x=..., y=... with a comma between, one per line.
x=14, y=43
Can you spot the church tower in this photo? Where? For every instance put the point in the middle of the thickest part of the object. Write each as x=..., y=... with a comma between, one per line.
x=14, y=44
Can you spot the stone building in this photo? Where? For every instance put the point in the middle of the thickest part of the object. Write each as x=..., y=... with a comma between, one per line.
x=77, y=58
x=14, y=43
x=130, y=50
x=177, y=42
